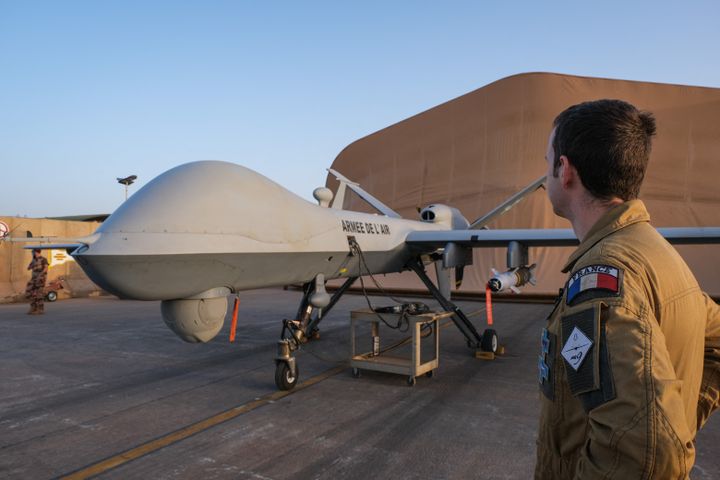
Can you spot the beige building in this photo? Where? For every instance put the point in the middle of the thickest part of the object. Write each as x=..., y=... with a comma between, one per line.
x=14, y=260
x=476, y=150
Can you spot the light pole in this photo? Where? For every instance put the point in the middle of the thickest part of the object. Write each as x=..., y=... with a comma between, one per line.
x=127, y=181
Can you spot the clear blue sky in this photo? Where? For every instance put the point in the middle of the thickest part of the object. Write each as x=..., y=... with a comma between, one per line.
x=93, y=90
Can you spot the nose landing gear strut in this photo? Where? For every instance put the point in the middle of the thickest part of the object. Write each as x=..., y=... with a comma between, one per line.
x=286, y=369
x=314, y=305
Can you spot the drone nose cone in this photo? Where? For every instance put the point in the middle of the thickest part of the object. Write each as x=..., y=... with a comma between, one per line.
x=139, y=277
x=94, y=268
x=126, y=266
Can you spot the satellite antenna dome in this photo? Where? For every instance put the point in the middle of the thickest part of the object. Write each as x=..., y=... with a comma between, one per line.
x=323, y=195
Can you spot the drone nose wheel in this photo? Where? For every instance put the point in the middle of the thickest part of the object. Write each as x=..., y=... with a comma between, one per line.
x=286, y=369
x=285, y=378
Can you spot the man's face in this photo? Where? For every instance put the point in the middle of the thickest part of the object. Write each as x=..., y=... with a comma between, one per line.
x=552, y=183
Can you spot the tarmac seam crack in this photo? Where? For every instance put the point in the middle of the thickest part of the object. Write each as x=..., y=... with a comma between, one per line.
x=191, y=430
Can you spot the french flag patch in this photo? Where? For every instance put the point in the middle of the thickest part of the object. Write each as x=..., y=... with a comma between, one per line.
x=593, y=277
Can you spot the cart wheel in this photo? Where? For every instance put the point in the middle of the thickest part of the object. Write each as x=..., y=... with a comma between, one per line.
x=355, y=372
x=411, y=381
x=51, y=296
x=284, y=378
x=430, y=374
x=489, y=342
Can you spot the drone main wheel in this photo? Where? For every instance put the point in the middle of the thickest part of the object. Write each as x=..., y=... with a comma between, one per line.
x=489, y=342
x=284, y=379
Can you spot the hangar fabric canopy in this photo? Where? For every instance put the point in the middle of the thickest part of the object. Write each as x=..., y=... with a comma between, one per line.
x=476, y=150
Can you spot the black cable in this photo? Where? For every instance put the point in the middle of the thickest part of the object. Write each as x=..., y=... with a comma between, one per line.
x=407, y=308
x=372, y=309
x=413, y=308
x=377, y=284
x=402, y=317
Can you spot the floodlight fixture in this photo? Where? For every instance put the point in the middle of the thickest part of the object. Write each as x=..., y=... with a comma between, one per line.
x=127, y=181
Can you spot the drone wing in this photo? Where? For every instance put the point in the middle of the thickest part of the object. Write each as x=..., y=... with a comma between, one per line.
x=492, y=238
x=69, y=247
x=544, y=237
x=57, y=243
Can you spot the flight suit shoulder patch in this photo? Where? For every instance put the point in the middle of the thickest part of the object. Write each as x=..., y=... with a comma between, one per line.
x=585, y=353
x=593, y=281
x=546, y=364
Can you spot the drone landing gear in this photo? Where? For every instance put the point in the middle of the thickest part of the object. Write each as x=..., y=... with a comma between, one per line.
x=286, y=370
x=297, y=332
x=487, y=342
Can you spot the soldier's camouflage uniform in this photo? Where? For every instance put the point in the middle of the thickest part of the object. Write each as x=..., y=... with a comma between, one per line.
x=35, y=289
x=629, y=367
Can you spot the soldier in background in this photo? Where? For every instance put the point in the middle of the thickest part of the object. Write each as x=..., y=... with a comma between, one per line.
x=35, y=289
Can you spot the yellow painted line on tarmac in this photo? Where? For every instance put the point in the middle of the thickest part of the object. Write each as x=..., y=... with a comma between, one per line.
x=179, y=435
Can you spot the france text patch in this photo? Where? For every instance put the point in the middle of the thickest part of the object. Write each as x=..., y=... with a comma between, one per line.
x=600, y=278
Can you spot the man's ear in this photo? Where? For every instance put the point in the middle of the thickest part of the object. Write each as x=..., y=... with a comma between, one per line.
x=567, y=172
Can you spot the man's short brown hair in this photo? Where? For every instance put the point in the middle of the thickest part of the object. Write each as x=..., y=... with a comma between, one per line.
x=608, y=142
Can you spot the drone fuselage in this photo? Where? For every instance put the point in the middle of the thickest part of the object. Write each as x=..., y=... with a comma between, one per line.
x=209, y=225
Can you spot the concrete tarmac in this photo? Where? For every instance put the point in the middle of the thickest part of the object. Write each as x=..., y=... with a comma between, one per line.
x=101, y=387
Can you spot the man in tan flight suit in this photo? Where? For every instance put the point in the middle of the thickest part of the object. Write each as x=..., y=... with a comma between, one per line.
x=629, y=366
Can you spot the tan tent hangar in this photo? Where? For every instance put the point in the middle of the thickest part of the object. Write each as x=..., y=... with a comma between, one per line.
x=478, y=149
